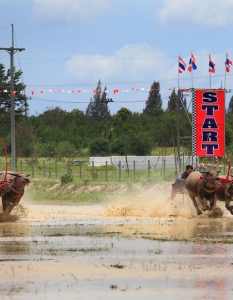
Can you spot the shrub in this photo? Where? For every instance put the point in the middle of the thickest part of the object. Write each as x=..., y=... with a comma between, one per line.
x=99, y=147
x=67, y=177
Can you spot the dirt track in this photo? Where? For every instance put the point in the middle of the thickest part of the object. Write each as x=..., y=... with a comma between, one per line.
x=127, y=248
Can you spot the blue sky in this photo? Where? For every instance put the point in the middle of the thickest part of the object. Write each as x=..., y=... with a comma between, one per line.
x=71, y=44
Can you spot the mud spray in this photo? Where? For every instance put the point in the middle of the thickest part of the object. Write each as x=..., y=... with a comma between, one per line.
x=139, y=200
x=156, y=202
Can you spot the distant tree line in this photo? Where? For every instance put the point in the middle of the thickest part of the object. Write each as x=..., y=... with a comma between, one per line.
x=59, y=133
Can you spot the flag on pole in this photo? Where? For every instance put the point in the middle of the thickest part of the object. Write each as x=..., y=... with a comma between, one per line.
x=182, y=65
x=192, y=63
x=228, y=63
x=211, y=65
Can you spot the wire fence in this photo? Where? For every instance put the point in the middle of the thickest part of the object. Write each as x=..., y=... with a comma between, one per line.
x=85, y=170
x=104, y=169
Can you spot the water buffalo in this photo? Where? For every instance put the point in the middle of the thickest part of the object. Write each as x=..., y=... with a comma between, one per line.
x=203, y=185
x=225, y=193
x=12, y=189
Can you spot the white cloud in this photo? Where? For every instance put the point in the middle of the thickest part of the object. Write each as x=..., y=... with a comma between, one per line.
x=130, y=63
x=208, y=13
x=69, y=11
x=144, y=65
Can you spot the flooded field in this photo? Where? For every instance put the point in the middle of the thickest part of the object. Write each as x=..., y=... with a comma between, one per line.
x=134, y=248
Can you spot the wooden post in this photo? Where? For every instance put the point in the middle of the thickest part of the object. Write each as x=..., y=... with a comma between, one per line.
x=92, y=171
x=44, y=167
x=148, y=169
x=32, y=168
x=106, y=171
x=80, y=170
x=56, y=167
x=21, y=165
x=49, y=168
x=134, y=173
x=119, y=170
x=164, y=173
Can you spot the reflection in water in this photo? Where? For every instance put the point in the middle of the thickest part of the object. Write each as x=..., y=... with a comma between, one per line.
x=69, y=254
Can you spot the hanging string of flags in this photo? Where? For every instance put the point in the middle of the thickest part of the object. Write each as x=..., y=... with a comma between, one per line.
x=114, y=91
x=181, y=69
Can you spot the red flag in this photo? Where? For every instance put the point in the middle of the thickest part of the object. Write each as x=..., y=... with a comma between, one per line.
x=228, y=63
x=115, y=91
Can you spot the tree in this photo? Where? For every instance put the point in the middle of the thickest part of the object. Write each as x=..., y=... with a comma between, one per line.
x=173, y=101
x=97, y=106
x=21, y=104
x=99, y=147
x=230, y=106
x=171, y=105
x=154, y=99
x=124, y=113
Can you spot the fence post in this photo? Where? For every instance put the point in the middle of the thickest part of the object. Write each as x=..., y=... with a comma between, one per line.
x=92, y=170
x=148, y=169
x=56, y=167
x=80, y=170
x=164, y=168
x=44, y=167
x=21, y=166
x=134, y=173
x=49, y=168
x=32, y=168
x=119, y=170
x=106, y=171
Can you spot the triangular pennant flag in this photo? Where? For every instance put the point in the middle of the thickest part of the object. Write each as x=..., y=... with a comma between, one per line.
x=115, y=91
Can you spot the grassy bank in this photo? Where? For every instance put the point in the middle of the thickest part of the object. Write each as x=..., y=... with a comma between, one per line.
x=40, y=191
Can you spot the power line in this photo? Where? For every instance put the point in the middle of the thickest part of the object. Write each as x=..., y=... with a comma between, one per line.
x=119, y=58
x=5, y=27
x=81, y=102
x=123, y=82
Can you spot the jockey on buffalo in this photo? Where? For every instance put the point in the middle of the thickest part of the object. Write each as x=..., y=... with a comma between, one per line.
x=179, y=185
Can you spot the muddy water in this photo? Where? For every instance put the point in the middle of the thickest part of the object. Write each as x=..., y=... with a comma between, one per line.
x=126, y=249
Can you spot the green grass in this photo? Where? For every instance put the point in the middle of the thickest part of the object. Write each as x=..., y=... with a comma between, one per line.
x=41, y=190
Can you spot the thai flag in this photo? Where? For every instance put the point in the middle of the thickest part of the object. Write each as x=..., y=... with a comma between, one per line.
x=182, y=65
x=192, y=63
x=228, y=63
x=211, y=65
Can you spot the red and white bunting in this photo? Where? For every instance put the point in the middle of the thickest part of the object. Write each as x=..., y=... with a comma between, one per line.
x=114, y=91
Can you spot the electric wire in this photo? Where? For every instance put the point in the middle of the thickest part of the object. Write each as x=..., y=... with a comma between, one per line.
x=119, y=58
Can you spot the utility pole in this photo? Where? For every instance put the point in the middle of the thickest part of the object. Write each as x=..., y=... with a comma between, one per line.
x=106, y=101
x=11, y=51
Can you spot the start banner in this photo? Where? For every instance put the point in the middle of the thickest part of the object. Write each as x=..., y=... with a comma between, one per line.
x=208, y=122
